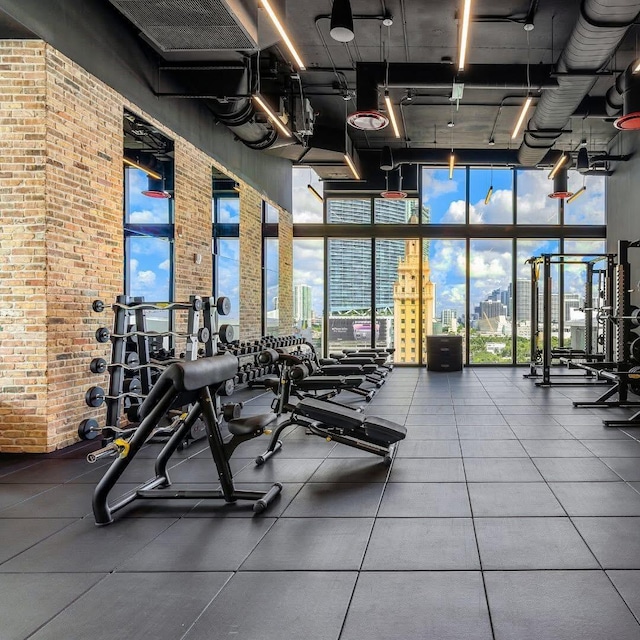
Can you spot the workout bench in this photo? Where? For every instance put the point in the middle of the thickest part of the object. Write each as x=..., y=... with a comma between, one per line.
x=193, y=383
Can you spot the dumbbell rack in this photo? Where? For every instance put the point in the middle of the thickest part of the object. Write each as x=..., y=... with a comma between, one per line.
x=132, y=369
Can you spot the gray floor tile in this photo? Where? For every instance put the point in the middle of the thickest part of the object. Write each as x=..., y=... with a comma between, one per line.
x=51, y=471
x=13, y=494
x=480, y=420
x=477, y=410
x=422, y=544
x=492, y=449
x=531, y=543
x=503, y=499
x=595, y=432
x=427, y=470
x=82, y=547
x=414, y=607
x=425, y=500
x=557, y=605
x=436, y=409
x=532, y=418
x=574, y=470
x=135, y=606
x=429, y=449
x=336, y=500
x=312, y=544
x=555, y=449
x=597, y=498
x=432, y=432
x=627, y=468
x=277, y=605
x=312, y=447
x=431, y=419
x=199, y=544
x=485, y=433
x=244, y=508
x=614, y=541
x=29, y=601
x=614, y=448
x=501, y=470
x=628, y=585
x=545, y=432
x=17, y=535
x=362, y=469
x=580, y=418
x=278, y=469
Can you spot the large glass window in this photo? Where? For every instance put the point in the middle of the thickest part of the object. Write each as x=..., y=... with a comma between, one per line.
x=396, y=211
x=148, y=217
x=307, y=196
x=444, y=200
x=349, y=290
x=525, y=332
x=589, y=206
x=271, y=289
x=225, y=212
x=491, y=196
x=308, y=289
x=533, y=204
x=491, y=290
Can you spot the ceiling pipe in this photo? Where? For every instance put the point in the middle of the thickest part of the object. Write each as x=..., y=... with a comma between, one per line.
x=599, y=30
x=623, y=99
x=475, y=157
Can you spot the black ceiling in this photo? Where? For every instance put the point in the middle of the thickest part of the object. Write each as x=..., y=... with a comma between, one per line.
x=420, y=49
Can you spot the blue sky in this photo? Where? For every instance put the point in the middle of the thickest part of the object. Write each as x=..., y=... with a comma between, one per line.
x=149, y=258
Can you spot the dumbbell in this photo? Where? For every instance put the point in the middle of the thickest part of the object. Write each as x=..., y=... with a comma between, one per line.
x=98, y=365
x=95, y=396
x=232, y=410
x=97, y=306
x=227, y=388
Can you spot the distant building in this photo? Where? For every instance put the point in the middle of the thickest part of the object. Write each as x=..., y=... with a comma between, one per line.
x=449, y=320
x=302, y=306
x=409, y=297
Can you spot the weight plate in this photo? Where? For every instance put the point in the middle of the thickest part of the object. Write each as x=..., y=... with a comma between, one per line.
x=225, y=333
x=88, y=429
x=223, y=306
x=197, y=304
x=97, y=306
x=133, y=385
x=94, y=396
x=103, y=334
x=634, y=350
x=98, y=365
x=635, y=318
x=227, y=388
x=132, y=359
x=203, y=334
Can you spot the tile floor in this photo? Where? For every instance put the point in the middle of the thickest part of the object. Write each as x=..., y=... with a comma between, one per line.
x=506, y=514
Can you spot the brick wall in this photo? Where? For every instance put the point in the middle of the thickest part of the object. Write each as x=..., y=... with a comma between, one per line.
x=23, y=302
x=250, y=263
x=61, y=194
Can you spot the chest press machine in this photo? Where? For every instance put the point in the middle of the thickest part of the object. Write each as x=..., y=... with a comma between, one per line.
x=327, y=419
x=194, y=383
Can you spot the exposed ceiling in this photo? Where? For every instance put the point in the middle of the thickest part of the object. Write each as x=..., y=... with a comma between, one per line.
x=223, y=51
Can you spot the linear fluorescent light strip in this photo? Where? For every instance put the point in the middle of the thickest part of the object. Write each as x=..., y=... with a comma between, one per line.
x=392, y=115
x=523, y=113
x=452, y=162
x=135, y=165
x=272, y=116
x=576, y=195
x=315, y=193
x=352, y=166
x=488, y=196
x=556, y=167
x=466, y=16
x=283, y=34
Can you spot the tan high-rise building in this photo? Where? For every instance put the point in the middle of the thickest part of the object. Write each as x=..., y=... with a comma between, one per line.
x=413, y=294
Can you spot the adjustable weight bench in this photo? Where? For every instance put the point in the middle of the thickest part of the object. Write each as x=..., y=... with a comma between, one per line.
x=194, y=383
x=330, y=420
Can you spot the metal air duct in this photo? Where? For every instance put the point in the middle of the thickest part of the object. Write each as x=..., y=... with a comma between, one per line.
x=599, y=30
x=623, y=99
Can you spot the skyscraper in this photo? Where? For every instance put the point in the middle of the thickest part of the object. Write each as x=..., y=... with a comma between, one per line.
x=302, y=307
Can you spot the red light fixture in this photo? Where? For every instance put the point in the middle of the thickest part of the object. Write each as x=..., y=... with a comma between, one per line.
x=560, y=191
x=156, y=189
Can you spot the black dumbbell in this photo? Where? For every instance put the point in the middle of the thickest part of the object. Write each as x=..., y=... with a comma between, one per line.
x=88, y=429
x=98, y=365
x=97, y=306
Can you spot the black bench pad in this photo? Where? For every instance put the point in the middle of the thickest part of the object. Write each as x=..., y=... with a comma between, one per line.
x=250, y=424
x=316, y=383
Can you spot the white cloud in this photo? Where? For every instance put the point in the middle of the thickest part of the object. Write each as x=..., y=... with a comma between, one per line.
x=146, y=216
x=165, y=265
x=146, y=278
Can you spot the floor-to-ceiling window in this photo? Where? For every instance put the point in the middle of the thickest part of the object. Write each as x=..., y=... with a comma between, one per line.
x=469, y=240
x=270, y=272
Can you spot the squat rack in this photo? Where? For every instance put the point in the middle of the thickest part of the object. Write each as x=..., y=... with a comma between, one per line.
x=605, y=275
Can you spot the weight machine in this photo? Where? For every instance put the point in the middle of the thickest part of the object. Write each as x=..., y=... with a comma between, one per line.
x=543, y=357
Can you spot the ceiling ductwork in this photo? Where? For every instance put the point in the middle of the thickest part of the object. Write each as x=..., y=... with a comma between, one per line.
x=600, y=28
x=476, y=157
x=623, y=99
